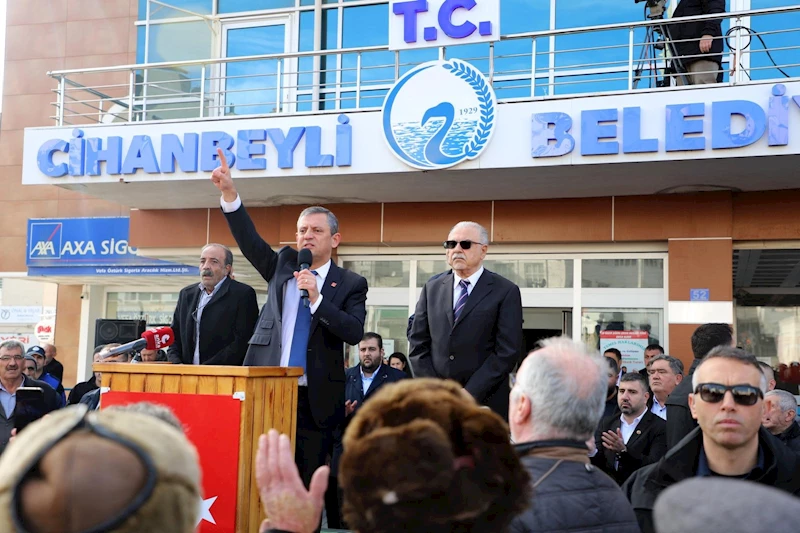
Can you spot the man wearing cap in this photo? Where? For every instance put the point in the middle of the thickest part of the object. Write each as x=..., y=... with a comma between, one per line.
x=40, y=356
x=150, y=475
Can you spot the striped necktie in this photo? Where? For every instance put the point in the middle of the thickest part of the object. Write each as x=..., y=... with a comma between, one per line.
x=462, y=299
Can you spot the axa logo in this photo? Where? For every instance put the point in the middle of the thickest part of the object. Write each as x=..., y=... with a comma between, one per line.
x=45, y=240
x=439, y=114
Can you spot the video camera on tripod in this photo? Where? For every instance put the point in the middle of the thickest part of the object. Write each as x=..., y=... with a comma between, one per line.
x=656, y=7
x=657, y=37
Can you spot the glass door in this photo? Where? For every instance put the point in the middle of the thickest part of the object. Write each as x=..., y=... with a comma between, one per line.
x=259, y=86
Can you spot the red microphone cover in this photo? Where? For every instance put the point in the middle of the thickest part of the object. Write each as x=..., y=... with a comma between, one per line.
x=158, y=338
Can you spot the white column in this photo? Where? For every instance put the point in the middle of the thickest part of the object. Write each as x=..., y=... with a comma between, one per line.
x=92, y=308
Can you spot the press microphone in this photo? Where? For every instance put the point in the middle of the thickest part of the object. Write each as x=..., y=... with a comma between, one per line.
x=152, y=339
x=303, y=263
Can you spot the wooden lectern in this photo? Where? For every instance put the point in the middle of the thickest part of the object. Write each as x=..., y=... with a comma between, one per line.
x=270, y=401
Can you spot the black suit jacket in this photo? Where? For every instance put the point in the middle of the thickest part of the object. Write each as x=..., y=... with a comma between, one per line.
x=679, y=418
x=227, y=322
x=647, y=445
x=481, y=348
x=339, y=319
x=686, y=35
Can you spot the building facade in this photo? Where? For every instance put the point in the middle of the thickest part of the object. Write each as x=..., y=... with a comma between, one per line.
x=619, y=221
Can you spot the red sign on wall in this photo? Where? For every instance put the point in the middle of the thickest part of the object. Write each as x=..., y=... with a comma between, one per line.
x=212, y=425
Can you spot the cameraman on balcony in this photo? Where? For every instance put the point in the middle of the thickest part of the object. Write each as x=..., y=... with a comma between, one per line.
x=698, y=44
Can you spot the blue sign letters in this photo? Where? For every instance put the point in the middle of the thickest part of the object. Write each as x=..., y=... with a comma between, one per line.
x=192, y=152
x=684, y=128
x=411, y=8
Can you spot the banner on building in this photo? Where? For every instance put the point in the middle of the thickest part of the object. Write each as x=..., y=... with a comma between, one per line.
x=630, y=343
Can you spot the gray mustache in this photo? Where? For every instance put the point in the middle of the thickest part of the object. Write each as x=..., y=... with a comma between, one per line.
x=206, y=272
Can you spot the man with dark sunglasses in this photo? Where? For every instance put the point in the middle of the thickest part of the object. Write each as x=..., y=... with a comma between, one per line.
x=728, y=403
x=468, y=322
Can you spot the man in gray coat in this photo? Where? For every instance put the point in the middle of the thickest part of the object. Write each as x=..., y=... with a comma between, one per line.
x=556, y=401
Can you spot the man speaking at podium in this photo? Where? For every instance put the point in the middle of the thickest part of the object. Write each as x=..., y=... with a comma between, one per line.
x=310, y=313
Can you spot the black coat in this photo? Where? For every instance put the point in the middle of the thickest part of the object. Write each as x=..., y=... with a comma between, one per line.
x=791, y=437
x=696, y=29
x=576, y=497
x=679, y=418
x=339, y=319
x=481, y=348
x=80, y=389
x=51, y=403
x=647, y=445
x=227, y=322
x=781, y=470
x=55, y=369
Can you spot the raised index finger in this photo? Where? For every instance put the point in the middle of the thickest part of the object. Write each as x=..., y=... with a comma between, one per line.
x=223, y=163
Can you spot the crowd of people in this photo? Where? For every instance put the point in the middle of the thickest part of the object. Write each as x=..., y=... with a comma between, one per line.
x=484, y=438
x=422, y=455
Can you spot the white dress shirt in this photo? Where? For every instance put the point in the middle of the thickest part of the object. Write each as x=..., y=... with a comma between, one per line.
x=473, y=279
x=291, y=299
x=628, y=429
x=658, y=409
x=204, y=299
x=366, y=381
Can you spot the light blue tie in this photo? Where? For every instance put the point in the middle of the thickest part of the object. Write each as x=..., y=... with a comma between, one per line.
x=462, y=299
x=302, y=329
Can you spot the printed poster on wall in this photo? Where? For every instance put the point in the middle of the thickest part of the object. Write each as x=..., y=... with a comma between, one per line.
x=217, y=441
x=630, y=343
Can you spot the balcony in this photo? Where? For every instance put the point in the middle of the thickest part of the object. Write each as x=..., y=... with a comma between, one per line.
x=522, y=67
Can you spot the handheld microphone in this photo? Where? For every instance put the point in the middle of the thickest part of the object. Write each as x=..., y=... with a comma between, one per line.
x=153, y=339
x=303, y=263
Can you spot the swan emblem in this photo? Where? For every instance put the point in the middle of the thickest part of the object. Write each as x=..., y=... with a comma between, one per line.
x=439, y=114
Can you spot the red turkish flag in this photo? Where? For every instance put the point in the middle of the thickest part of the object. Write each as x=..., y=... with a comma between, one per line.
x=212, y=425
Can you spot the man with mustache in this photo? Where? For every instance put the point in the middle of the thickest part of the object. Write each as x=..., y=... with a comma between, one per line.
x=213, y=320
x=635, y=438
x=468, y=322
x=727, y=400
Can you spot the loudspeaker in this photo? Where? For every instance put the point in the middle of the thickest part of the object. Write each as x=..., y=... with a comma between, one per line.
x=107, y=331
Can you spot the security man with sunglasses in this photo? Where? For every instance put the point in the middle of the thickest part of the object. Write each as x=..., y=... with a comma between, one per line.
x=727, y=402
x=468, y=322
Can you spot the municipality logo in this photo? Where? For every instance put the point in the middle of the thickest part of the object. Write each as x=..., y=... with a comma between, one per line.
x=439, y=114
x=45, y=240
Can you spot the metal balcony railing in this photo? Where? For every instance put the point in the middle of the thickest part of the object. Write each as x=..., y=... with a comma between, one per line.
x=623, y=57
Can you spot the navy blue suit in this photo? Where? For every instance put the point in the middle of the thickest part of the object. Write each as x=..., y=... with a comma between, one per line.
x=354, y=391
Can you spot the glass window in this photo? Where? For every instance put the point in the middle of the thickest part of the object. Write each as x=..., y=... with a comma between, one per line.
x=235, y=6
x=534, y=273
x=609, y=48
x=250, y=86
x=365, y=26
x=769, y=333
x=783, y=46
x=390, y=323
x=427, y=268
x=158, y=11
x=156, y=308
x=174, y=42
x=623, y=273
x=381, y=273
x=593, y=321
x=520, y=16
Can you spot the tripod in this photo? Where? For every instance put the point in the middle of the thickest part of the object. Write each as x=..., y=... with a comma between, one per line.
x=658, y=37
